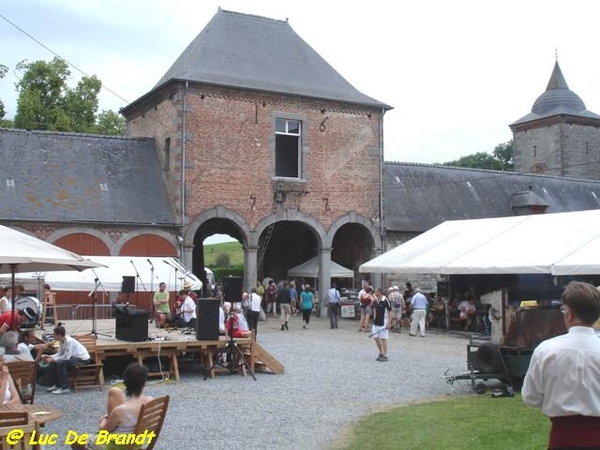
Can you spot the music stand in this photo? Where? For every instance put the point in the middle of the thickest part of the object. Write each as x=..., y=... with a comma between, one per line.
x=234, y=359
x=92, y=295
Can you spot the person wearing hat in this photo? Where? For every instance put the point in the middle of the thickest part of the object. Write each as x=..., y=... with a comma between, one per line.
x=10, y=320
x=188, y=310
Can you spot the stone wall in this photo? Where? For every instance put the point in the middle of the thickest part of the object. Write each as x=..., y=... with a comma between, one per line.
x=559, y=148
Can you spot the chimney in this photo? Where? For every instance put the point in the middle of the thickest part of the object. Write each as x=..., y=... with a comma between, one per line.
x=527, y=203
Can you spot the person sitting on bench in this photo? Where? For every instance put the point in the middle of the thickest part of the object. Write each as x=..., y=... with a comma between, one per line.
x=70, y=353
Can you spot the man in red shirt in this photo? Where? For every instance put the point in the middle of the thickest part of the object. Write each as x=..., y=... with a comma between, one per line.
x=10, y=320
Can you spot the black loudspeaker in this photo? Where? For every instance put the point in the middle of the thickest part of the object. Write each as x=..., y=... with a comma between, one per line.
x=207, y=322
x=128, y=284
x=131, y=323
x=232, y=289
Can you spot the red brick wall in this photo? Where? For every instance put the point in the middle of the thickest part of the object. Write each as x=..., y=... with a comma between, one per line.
x=229, y=152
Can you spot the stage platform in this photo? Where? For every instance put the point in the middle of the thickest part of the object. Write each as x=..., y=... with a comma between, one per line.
x=170, y=344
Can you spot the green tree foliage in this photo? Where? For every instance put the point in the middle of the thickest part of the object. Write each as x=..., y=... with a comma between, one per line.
x=109, y=122
x=46, y=102
x=505, y=152
x=222, y=260
x=501, y=159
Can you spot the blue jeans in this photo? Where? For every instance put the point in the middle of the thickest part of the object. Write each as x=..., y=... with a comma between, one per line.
x=62, y=366
x=334, y=314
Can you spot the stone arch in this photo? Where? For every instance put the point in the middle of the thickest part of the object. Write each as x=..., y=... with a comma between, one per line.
x=291, y=215
x=353, y=217
x=100, y=235
x=218, y=212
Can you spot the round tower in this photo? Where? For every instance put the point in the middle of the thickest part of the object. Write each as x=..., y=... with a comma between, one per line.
x=559, y=136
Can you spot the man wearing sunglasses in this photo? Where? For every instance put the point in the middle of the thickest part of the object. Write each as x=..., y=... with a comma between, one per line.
x=563, y=378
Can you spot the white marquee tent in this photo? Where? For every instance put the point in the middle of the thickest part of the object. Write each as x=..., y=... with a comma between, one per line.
x=557, y=244
x=310, y=269
x=110, y=278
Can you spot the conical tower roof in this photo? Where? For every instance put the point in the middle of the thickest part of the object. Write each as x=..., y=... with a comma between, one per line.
x=251, y=52
x=558, y=99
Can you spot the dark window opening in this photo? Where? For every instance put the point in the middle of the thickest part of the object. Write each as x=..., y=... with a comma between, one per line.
x=287, y=149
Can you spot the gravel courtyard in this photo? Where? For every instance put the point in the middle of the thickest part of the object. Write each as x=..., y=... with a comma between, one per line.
x=331, y=379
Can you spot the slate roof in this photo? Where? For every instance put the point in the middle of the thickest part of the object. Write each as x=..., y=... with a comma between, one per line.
x=558, y=99
x=57, y=178
x=246, y=51
x=418, y=197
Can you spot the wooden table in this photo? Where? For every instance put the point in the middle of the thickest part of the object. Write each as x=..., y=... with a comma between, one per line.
x=42, y=414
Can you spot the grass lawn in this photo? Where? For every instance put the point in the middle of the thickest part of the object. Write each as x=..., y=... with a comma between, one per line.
x=473, y=422
x=232, y=249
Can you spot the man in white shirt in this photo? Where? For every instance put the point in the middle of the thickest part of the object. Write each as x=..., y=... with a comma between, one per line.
x=335, y=306
x=188, y=311
x=563, y=378
x=254, y=312
x=70, y=353
x=419, y=304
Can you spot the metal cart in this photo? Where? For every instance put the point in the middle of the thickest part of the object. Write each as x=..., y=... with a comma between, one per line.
x=487, y=362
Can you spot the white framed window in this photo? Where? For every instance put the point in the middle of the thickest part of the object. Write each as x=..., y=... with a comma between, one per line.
x=288, y=148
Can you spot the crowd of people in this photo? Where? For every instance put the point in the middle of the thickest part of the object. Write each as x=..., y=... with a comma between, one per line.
x=241, y=315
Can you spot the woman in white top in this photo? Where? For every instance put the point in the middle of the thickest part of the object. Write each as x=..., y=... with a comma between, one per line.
x=6, y=301
x=11, y=396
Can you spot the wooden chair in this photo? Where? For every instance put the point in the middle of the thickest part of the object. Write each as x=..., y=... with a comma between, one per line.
x=87, y=376
x=24, y=374
x=21, y=420
x=151, y=418
x=49, y=301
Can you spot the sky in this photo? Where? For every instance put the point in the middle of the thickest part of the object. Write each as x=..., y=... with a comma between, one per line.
x=456, y=73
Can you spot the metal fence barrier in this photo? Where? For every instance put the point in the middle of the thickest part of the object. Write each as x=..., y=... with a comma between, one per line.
x=84, y=312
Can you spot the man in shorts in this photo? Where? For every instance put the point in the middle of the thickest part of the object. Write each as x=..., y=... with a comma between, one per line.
x=382, y=322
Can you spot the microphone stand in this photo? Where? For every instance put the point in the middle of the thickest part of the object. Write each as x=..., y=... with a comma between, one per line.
x=92, y=295
x=153, y=311
x=176, y=270
x=138, y=278
x=185, y=272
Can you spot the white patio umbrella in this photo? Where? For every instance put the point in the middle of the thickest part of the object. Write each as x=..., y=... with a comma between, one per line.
x=20, y=252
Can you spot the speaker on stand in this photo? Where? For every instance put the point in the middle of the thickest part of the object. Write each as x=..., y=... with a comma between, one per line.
x=207, y=319
x=232, y=289
x=128, y=286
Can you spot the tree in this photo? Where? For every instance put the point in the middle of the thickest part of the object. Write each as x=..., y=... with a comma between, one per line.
x=41, y=88
x=46, y=102
x=222, y=260
x=501, y=159
x=505, y=153
x=109, y=122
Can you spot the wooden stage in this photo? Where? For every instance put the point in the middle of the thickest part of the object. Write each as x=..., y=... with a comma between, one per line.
x=170, y=344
